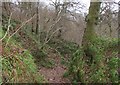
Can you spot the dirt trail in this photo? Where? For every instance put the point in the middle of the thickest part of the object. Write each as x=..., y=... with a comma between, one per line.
x=55, y=74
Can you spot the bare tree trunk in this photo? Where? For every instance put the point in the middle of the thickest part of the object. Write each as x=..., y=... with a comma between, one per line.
x=32, y=13
x=119, y=17
x=37, y=20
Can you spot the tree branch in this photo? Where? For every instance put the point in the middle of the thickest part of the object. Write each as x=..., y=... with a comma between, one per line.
x=7, y=27
x=24, y=23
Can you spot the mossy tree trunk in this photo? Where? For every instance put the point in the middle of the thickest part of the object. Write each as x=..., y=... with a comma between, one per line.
x=89, y=33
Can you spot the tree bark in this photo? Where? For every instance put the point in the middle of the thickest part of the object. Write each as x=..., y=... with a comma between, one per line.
x=37, y=20
x=89, y=33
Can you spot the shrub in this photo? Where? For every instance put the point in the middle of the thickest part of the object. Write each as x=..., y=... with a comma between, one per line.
x=102, y=69
x=18, y=65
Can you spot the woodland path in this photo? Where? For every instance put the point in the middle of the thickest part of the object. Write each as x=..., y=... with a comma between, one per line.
x=55, y=74
x=52, y=75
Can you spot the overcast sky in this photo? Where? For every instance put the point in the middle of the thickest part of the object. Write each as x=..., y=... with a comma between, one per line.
x=85, y=2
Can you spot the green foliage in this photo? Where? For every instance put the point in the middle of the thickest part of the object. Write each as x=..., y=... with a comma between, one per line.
x=0, y=69
x=18, y=65
x=113, y=65
x=102, y=69
x=39, y=54
x=98, y=76
x=29, y=62
x=1, y=32
x=64, y=49
x=12, y=23
x=76, y=68
x=1, y=79
x=47, y=63
x=63, y=46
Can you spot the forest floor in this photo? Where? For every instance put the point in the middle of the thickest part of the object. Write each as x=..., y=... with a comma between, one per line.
x=54, y=74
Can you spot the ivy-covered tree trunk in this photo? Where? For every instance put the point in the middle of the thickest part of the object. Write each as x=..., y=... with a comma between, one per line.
x=89, y=33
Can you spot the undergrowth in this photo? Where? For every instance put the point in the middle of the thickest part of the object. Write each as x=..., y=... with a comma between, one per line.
x=103, y=69
x=64, y=49
x=40, y=54
x=18, y=65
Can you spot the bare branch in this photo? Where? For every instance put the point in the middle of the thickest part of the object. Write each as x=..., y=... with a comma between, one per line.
x=24, y=23
x=50, y=37
x=7, y=27
x=52, y=26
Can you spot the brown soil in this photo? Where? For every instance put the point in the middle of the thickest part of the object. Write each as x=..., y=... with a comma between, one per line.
x=55, y=74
